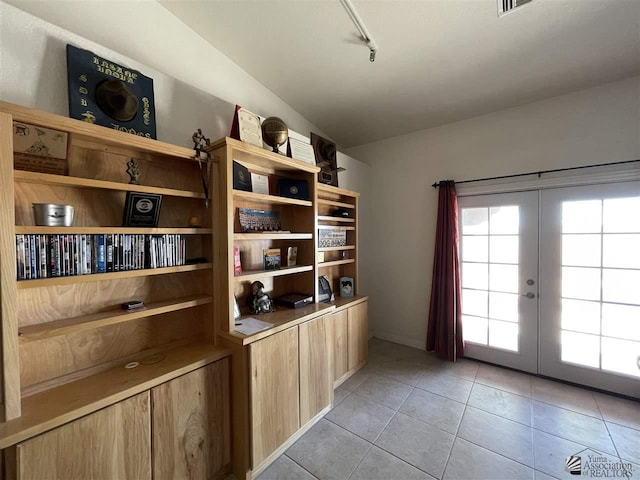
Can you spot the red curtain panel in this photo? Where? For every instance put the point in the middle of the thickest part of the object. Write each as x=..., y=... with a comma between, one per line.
x=444, y=330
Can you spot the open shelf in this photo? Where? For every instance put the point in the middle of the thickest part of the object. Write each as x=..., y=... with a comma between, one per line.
x=107, y=230
x=270, y=199
x=272, y=236
x=32, y=333
x=336, y=262
x=96, y=277
x=57, y=406
x=322, y=201
x=336, y=249
x=282, y=319
x=103, y=135
x=245, y=152
x=328, y=218
x=335, y=227
x=79, y=182
x=258, y=274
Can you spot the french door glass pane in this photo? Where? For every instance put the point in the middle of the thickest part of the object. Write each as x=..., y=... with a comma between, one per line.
x=489, y=296
x=580, y=316
x=475, y=275
x=475, y=248
x=475, y=329
x=621, y=251
x=581, y=283
x=582, y=217
x=622, y=286
x=620, y=356
x=475, y=221
x=503, y=278
x=503, y=306
x=621, y=321
x=581, y=250
x=504, y=249
x=503, y=335
x=504, y=220
x=600, y=319
x=474, y=302
x=621, y=215
x=580, y=348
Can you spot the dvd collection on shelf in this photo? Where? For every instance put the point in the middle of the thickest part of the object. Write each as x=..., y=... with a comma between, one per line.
x=47, y=256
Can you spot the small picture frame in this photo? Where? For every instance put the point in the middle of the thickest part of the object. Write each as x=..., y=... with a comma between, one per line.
x=346, y=287
x=141, y=210
x=271, y=258
x=241, y=178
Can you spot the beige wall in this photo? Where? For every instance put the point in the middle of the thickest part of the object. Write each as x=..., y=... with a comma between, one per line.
x=586, y=127
x=195, y=85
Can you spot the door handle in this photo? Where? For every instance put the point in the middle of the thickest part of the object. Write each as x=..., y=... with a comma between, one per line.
x=529, y=295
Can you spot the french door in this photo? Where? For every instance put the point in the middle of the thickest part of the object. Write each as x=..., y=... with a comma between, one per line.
x=551, y=282
x=590, y=296
x=499, y=266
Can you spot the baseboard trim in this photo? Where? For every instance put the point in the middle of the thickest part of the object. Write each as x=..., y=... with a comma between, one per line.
x=390, y=337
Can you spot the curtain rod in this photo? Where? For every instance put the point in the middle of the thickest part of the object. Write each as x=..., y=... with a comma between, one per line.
x=539, y=173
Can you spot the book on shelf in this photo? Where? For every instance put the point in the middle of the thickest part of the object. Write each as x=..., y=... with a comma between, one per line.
x=292, y=256
x=271, y=258
x=53, y=255
x=237, y=265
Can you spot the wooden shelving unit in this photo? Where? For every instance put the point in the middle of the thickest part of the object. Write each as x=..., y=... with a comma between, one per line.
x=77, y=182
x=271, y=236
x=335, y=265
x=103, y=230
x=297, y=216
x=40, y=331
x=262, y=274
x=51, y=282
x=64, y=339
x=65, y=403
x=269, y=199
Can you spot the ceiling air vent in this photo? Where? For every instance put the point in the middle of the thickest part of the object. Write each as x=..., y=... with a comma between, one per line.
x=506, y=6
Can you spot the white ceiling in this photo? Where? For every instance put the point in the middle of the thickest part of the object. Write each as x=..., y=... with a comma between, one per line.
x=439, y=61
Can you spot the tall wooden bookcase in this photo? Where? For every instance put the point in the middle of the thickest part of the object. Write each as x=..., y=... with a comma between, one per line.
x=68, y=349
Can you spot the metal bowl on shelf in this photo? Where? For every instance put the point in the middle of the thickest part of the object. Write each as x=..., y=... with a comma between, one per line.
x=53, y=215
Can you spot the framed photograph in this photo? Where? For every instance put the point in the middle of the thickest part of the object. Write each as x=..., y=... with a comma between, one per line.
x=260, y=183
x=141, y=210
x=40, y=149
x=246, y=127
x=346, y=287
x=258, y=220
x=271, y=258
x=241, y=178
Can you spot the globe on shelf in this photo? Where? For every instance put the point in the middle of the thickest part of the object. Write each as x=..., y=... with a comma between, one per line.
x=274, y=132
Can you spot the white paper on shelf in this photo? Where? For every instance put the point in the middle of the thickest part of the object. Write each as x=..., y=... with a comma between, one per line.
x=250, y=325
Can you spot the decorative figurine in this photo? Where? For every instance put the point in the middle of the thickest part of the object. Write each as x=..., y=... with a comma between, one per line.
x=200, y=142
x=133, y=169
x=258, y=301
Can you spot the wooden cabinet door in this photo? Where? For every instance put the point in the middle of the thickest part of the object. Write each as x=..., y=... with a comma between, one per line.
x=340, y=345
x=111, y=443
x=190, y=418
x=316, y=375
x=358, y=335
x=274, y=385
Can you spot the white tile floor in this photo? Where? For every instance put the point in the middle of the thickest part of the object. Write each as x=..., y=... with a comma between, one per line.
x=408, y=415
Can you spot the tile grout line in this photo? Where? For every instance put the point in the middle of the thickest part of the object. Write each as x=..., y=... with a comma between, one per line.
x=285, y=454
